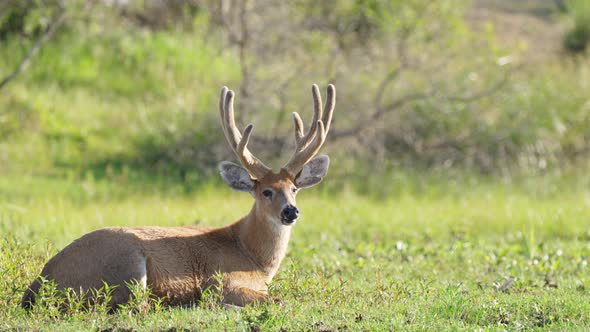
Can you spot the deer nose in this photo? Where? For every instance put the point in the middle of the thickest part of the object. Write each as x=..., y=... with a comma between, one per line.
x=289, y=214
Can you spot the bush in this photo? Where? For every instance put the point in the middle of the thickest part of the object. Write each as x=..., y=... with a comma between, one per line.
x=578, y=38
x=416, y=88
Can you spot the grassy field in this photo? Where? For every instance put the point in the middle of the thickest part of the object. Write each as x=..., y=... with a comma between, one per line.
x=115, y=124
x=465, y=255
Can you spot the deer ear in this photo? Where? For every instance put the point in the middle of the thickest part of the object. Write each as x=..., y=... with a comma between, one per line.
x=236, y=176
x=313, y=172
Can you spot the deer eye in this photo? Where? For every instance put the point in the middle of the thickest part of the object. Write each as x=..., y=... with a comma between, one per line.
x=267, y=193
x=295, y=190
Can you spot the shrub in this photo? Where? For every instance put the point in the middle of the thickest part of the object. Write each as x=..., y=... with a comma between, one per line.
x=577, y=39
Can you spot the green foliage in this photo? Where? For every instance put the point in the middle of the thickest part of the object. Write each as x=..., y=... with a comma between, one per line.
x=578, y=38
x=141, y=302
x=212, y=296
x=109, y=97
x=28, y=17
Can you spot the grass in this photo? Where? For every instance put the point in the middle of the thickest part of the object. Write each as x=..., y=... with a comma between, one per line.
x=489, y=255
x=101, y=109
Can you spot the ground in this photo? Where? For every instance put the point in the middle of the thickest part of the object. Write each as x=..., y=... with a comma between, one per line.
x=460, y=255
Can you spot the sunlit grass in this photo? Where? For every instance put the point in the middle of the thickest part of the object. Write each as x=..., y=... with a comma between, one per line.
x=406, y=261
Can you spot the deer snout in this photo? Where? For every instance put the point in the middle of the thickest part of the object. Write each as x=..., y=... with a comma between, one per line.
x=289, y=214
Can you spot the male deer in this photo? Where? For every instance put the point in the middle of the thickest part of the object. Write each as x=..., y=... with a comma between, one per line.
x=177, y=263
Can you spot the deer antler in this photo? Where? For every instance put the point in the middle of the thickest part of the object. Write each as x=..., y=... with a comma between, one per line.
x=308, y=144
x=237, y=142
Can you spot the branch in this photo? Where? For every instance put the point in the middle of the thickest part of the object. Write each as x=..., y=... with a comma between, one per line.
x=392, y=75
x=26, y=61
x=382, y=110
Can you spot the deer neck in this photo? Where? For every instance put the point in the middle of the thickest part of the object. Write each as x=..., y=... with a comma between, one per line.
x=264, y=239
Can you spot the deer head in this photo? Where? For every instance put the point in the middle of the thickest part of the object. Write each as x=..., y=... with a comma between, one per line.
x=275, y=192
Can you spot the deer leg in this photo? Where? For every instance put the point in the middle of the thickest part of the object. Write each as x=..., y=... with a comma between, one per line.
x=242, y=296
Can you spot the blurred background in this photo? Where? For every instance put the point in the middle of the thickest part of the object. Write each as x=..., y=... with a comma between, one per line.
x=127, y=89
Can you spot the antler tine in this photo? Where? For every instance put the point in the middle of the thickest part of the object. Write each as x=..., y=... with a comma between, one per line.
x=309, y=144
x=246, y=158
x=230, y=121
x=302, y=140
x=329, y=107
x=298, y=127
x=222, y=107
x=236, y=141
x=300, y=158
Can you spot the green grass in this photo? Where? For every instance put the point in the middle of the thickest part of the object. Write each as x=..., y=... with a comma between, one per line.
x=436, y=260
x=116, y=125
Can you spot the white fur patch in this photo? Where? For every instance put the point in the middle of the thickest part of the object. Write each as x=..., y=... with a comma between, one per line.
x=143, y=272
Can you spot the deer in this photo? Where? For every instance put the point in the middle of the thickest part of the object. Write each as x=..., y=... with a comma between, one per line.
x=178, y=263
